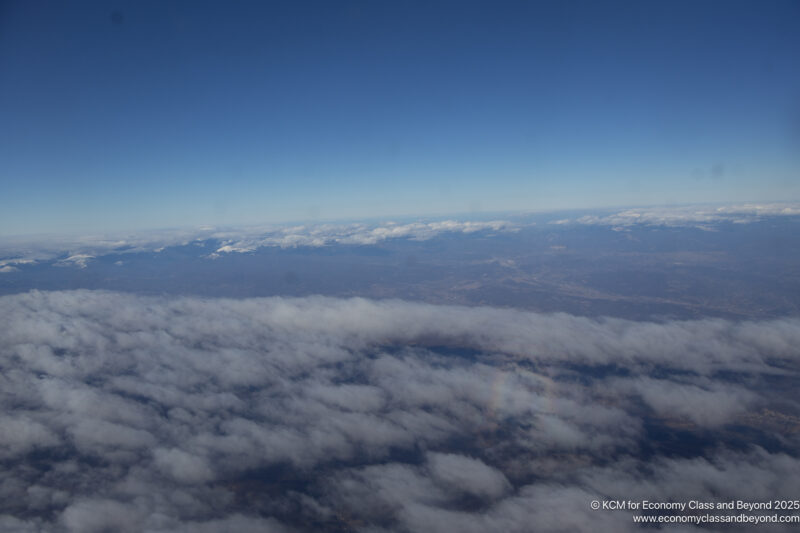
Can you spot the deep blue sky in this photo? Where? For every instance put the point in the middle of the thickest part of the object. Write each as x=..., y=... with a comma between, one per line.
x=118, y=115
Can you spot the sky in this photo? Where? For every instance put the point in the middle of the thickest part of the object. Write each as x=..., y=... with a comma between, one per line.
x=133, y=115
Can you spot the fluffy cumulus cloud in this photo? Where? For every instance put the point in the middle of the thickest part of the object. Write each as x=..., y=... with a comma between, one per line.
x=131, y=413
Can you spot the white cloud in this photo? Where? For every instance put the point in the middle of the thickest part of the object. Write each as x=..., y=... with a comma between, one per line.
x=7, y=262
x=353, y=234
x=12, y=265
x=698, y=216
x=80, y=250
x=77, y=260
x=466, y=474
x=140, y=413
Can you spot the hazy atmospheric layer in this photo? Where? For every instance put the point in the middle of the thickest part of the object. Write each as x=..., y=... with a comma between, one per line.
x=132, y=413
x=16, y=252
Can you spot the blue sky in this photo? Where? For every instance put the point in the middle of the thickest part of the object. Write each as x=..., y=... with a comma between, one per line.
x=118, y=116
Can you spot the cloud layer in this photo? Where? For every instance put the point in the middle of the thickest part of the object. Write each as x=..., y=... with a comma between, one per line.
x=679, y=216
x=79, y=251
x=185, y=414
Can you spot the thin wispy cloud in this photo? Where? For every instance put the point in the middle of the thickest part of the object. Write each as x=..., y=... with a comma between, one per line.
x=696, y=216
